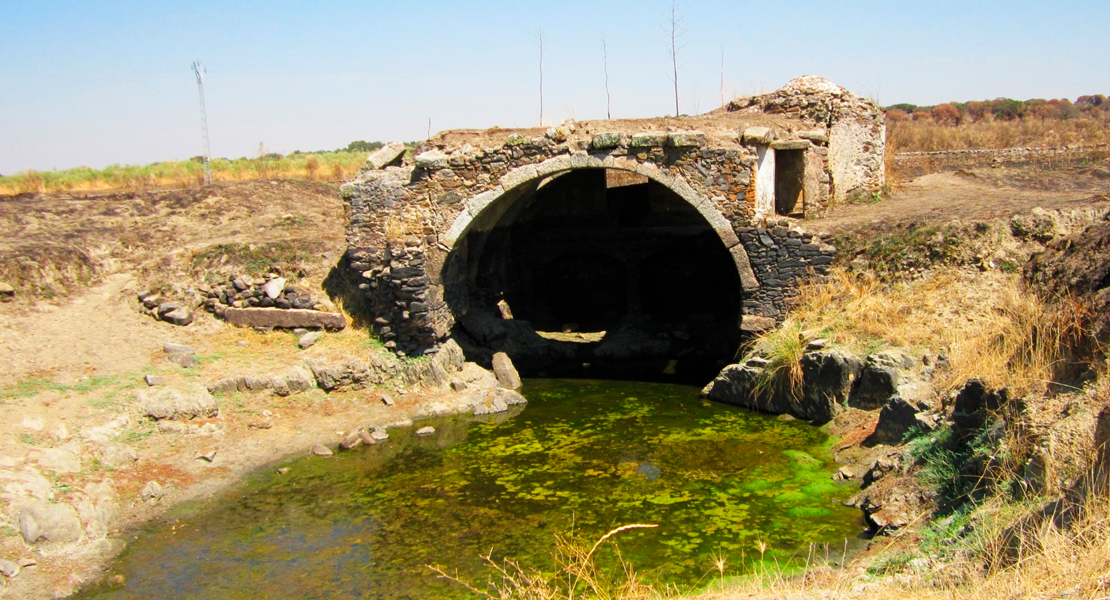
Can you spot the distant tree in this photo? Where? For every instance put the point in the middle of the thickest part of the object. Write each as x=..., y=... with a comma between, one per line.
x=362, y=146
x=922, y=114
x=906, y=108
x=945, y=114
x=896, y=115
x=978, y=111
x=1007, y=109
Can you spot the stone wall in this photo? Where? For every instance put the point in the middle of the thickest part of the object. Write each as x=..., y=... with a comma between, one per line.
x=916, y=164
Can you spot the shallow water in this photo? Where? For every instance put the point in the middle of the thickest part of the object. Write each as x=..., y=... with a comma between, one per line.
x=581, y=459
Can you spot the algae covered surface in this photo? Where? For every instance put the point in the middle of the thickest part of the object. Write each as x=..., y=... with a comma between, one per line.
x=582, y=458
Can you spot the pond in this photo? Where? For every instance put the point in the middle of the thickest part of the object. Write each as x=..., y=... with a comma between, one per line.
x=582, y=458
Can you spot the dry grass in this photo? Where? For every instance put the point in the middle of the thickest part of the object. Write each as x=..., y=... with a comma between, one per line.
x=930, y=136
x=577, y=575
x=991, y=327
x=333, y=166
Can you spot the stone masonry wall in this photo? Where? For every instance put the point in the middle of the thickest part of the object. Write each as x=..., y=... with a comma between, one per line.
x=916, y=164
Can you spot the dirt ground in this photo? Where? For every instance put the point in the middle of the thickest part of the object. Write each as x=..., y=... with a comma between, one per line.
x=973, y=195
x=74, y=346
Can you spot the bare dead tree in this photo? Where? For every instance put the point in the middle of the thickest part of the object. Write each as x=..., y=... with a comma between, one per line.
x=539, y=40
x=673, y=29
x=605, y=67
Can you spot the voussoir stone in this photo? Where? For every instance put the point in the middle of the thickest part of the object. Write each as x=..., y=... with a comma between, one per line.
x=284, y=318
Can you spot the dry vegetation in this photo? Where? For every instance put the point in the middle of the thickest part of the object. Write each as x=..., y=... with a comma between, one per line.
x=326, y=166
x=927, y=135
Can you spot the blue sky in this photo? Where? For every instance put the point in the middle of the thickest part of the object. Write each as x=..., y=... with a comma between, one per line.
x=96, y=83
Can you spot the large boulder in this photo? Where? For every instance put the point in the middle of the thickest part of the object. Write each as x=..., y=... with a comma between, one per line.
x=897, y=418
x=827, y=377
x=174, y=404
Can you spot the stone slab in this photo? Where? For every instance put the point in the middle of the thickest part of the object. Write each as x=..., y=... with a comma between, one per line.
x=291, y=318
x=791, y=145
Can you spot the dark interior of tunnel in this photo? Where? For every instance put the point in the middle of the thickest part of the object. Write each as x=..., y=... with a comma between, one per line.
x=621, y=277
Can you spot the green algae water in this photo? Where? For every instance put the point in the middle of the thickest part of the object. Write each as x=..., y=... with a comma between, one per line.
x=582, y=458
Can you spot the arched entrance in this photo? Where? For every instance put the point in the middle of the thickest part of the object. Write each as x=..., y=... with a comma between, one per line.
x=601, y=271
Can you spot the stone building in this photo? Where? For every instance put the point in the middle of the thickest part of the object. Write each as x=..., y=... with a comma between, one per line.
x=664, y=237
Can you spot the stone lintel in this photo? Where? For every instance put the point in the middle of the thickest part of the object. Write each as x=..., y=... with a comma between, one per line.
x=791, y=145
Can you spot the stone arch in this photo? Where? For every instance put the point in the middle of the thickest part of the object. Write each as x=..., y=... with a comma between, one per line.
x=524, y=175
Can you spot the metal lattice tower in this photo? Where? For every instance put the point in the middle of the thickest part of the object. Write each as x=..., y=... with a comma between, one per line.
x=206, y=160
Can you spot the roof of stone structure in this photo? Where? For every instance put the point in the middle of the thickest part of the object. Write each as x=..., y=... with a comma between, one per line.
x=802, y=104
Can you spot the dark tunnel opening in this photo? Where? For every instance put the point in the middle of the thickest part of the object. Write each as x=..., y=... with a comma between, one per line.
x=598, y=273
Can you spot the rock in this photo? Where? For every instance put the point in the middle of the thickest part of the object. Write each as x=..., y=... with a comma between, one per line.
x=827, y=378
x=487, y=402
x=756, y=324
x=153, y=380
x=974, y=402
x=179, y=316
x=686, y=139
x=8, y=568
x=63, y=459
x=274, y=287
x=7, y=292
x=346, y=374
x=432, y=159
x=429, y=430
x=895, y=421
x=170, y=403
x=382, y=157
x=152, y=492
x=284, y=318
x=299, y=379
x=506, y=374
x=171, y=348
x=108, y=431
x=604, y=140
x=365, y=437
x=378, y=434
x=182, y=360
x=877, y=385
x=115, y=455
x=309, y=339
x=321, y=450
x=224, y=386
x=648, y=140
x=99, y=509
x=209, y=456
x=817, y=136
x=44, y=522
x=458, y=385
x=352, y=440
x=387, y=399
x=757, y=135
